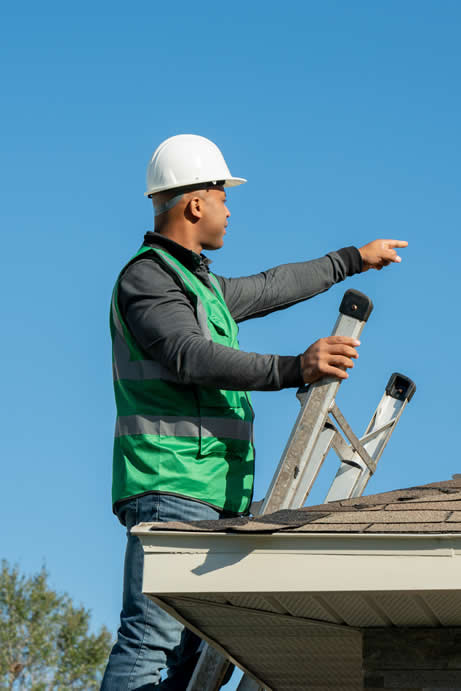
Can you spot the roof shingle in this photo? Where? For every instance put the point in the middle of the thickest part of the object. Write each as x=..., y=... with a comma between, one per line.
x=425, y=509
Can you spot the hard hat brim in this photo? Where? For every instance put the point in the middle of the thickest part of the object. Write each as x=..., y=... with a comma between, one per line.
x=229, y=182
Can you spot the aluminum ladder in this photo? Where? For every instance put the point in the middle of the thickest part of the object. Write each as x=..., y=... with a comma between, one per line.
x=315, y=432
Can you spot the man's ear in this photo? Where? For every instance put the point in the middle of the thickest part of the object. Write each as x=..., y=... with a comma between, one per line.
x=195, y=207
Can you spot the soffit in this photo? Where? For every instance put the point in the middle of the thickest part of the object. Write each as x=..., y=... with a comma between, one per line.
x=277, y=641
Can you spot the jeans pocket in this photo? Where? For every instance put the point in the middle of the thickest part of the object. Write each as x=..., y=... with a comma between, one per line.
x=147, y=507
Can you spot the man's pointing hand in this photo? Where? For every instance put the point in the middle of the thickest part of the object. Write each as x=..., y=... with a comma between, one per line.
x=380, y=253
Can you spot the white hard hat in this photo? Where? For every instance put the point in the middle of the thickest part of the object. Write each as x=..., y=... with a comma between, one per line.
x=184, y=160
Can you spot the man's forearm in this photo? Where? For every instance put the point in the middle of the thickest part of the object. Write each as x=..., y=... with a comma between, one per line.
x=209, y=364
x=287, y=284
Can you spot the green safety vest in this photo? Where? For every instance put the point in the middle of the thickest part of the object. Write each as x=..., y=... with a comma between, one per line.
x=184, y=439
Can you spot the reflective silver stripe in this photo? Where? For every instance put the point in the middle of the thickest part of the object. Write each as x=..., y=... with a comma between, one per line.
x=202, y=319
x=174, y=266
x=169, y=426
x=215, y=282
x=136, y=370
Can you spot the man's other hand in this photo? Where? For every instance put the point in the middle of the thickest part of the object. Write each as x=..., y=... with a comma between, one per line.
x=380, y=253
x=330, y=356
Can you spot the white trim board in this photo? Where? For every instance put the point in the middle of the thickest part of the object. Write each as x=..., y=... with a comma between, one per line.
x=190, y=562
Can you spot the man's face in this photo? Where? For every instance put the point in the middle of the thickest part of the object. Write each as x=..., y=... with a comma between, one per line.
x=213, y=223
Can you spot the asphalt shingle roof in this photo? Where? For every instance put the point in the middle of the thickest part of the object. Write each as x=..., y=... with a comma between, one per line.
x=425, y=509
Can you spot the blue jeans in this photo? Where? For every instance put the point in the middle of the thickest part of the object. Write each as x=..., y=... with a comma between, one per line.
x=150, y=640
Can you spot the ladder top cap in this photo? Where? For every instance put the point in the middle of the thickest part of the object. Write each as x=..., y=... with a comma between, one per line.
x=356, y=304
x=400, y=387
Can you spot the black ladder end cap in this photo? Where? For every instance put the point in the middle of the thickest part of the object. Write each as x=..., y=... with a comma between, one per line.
x=356, y=304
x=400, y=387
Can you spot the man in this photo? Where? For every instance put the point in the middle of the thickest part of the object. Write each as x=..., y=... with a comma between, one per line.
x=183, y=441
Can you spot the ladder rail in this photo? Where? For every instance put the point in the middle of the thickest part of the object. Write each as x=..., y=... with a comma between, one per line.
x=247, y=684
x=353, y=475
x=210, y=670
x=312, y=469
x=316, y=400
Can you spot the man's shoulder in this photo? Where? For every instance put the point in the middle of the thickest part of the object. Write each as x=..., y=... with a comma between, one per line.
x=147, y=266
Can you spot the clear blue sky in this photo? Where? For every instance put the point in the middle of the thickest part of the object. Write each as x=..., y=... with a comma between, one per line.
x=345, y=119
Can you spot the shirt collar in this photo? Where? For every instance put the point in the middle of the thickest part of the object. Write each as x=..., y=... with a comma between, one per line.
x=190, y=259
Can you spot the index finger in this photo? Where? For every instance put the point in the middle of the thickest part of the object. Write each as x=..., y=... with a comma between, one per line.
x=396, y=243
x=345, y=340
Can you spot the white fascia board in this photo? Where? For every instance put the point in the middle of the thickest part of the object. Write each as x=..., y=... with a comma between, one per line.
x=176, y=562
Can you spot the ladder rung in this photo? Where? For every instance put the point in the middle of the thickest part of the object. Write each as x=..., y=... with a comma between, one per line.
x=354, y=440
x=368, y=437
x=344, y=451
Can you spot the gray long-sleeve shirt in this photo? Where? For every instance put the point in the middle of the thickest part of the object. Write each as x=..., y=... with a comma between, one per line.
x=162, y=320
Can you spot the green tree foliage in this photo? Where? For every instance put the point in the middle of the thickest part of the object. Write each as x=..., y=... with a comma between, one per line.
x=45, y=644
